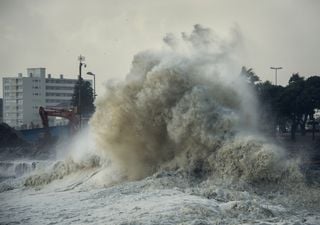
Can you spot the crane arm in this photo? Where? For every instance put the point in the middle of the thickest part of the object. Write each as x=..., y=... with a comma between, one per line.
x=63, y=113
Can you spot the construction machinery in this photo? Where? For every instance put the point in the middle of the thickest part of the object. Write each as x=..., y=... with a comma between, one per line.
x=69, y=114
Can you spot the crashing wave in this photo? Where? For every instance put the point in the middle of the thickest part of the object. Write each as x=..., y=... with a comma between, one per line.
x=187, y=107
x=59, y=170
x=181, y=109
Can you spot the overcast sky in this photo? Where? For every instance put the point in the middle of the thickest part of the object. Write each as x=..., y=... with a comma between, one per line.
x=53, y=33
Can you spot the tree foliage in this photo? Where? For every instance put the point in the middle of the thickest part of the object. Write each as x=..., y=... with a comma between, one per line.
x=268, y=95
x=292, y=105
x=86, y=97
x=249, y=75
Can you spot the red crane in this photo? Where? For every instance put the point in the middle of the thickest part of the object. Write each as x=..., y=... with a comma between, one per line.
x=69, y=114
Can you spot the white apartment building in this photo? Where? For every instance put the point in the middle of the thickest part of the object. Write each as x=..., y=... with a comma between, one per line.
x=23, y=95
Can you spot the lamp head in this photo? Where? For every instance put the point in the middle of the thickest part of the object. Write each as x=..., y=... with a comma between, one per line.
x=90, y=73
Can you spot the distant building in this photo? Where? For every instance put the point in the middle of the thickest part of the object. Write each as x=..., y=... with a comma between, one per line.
x=1, y=110
x=22, y=96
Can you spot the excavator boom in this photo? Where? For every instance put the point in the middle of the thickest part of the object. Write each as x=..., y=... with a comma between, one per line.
x=69, y=114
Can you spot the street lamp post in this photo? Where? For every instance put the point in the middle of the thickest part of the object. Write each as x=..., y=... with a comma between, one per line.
x=94, y=84
x=276, y=72
x=81, y=63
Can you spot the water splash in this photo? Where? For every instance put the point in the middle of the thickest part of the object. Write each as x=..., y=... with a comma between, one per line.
x=185, y=107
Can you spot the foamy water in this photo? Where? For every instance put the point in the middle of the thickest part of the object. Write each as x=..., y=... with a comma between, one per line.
x=174, y=143
x=165, y=198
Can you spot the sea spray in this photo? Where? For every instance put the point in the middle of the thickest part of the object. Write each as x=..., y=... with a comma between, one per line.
x=186, y=107
x=77, y=155
x=60, y=169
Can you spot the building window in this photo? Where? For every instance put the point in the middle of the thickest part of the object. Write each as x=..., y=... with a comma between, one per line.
x=59, y=88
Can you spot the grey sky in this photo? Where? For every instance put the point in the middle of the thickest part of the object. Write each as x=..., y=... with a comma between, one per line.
x=51, y=34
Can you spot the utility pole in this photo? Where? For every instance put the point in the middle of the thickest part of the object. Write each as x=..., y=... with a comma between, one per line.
x=276, y=73
x=81, y=63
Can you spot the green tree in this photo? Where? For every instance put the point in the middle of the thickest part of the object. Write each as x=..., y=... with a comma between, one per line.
x=312, y=90
x=249, y=75
x=295, y=103
x=86, y=97
x=312, y=97
x=270, y=113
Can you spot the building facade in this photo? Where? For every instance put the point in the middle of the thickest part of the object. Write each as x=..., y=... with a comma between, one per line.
x=23, y=95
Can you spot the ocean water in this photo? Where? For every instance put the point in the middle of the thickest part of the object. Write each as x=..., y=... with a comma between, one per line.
x=163, y=198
